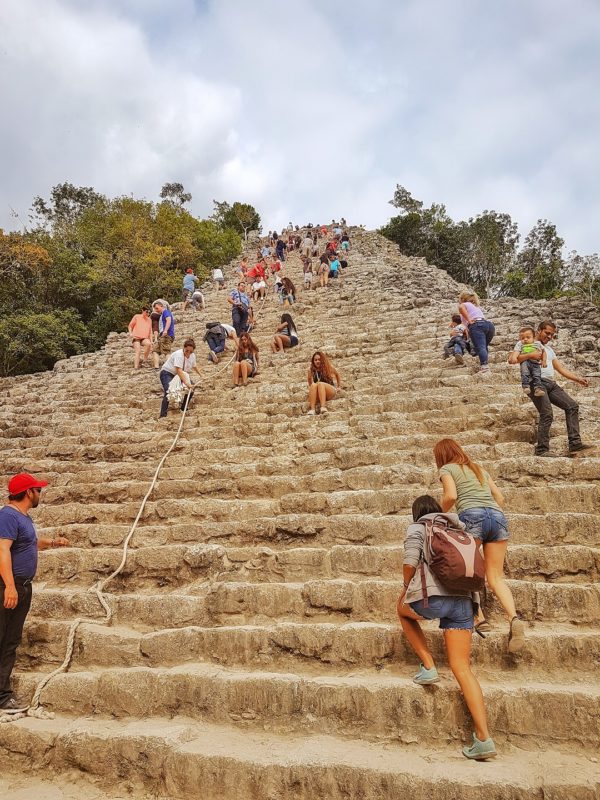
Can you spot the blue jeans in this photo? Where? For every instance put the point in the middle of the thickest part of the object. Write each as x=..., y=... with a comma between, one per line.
x=482, y=332
x=454, y=613
x=216, y=344
x=531, y=374
x=239, y=319
x=487, y=524
x=456, y=346
x=165, y=379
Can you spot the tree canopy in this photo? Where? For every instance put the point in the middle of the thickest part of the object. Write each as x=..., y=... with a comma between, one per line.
x=483, y=251
x=89, y=262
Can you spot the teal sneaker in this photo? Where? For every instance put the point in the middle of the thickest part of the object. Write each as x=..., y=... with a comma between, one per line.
x=480, y=751
x=426, y=676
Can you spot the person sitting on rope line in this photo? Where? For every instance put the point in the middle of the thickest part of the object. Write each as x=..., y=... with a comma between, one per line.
x=321, y=387
x=19, y=545
x=179, y=364
x=246, y=361
x=286, y=335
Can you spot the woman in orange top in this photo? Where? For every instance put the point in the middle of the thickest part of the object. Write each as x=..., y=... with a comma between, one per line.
x=140, y=331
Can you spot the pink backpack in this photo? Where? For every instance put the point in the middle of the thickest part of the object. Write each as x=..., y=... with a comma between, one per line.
x=454, y=557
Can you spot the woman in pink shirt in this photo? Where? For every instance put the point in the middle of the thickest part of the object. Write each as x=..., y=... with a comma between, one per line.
x=481, y=330
x=140, y=331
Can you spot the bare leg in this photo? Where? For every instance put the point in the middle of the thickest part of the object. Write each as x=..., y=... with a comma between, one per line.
x=494, y=554
x=147, y=348
x=244, y=367
x=326, y=392
x=236, y=373
x=458, y=647
x=136, y=355
x=312, y=395
x=412, y=630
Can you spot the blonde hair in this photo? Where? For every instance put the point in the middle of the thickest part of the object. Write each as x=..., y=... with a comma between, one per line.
x=468, y=297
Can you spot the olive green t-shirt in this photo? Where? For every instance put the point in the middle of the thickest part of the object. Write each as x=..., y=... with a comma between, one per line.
x=470, y=493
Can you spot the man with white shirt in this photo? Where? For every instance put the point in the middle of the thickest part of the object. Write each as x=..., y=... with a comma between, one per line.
x=554, y=394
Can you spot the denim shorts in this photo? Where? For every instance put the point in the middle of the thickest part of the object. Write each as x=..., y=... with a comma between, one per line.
x=454, y=613
x=487, y=524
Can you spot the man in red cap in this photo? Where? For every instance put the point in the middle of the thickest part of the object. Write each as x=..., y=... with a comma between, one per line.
x=19, y=546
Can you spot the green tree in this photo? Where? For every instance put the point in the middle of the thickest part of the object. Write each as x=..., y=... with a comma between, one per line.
x=175, y=193
x=66, y=203
x=240, y=217
x=31, y=342
x=539, y=270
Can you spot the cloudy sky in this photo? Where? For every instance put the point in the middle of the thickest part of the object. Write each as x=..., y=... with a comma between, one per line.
x=309, y=109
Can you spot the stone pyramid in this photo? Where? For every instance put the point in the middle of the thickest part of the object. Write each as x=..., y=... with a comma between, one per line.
x=254, y=652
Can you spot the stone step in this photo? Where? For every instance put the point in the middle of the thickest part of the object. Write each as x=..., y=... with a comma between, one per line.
x=551, y=650
x=230, y=603
x=370, y=705
x=189, y=759
x=179, y=565
x=294, y=529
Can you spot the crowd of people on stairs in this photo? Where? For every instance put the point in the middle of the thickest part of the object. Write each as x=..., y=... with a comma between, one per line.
x=454, y=546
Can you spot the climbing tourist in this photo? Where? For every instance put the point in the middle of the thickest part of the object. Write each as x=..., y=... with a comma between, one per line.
x=307, y=244
x=479, y=504
x=240, y=303
x=425, y=597
x=243, y=268
x=334, y=268
x=345, y=242
x=531, y=368
x=218, y=278
x=140, y=332
x=324, y=270
x=166, y=331
x=457, y=344
x=287, y=294
x=280, y=248
x=197, y=300
x=216, y=336
x=246, y=361
x=481, y=331
x=155, y=320
x=286, y=335
x=19, y=547
x=190, y=282
x=307, y=272
x=275, y=266
x=322, y=377
x=259, y=288
x=553, y=395
x=180, y=363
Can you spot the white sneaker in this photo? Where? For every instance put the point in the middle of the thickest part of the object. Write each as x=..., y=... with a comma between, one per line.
x=312, y=413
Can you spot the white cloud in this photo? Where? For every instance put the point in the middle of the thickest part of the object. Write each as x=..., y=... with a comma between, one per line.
x=309, y=110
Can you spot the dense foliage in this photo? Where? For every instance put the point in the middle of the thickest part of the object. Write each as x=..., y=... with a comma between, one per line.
x=87, y=264
x=484, y=252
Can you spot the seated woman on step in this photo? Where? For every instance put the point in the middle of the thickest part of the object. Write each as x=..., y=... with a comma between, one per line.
x=246, y=361
x=321, y=386
x=479, y=504
x=286, y=335
x=424, y=597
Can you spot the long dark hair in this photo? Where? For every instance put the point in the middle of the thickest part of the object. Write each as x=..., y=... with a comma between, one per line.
x=287, y=318
x=288, y=286
x=425, y=504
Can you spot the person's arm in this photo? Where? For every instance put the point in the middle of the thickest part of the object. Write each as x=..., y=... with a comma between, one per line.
x=449, y=493
x=130, y=327
x=336, y=375
x=462, y=310
x=11, y=598
x=230, y=300
x=281, y=327
x=310, y=377
x=167, y=327
x=496, y=493
x=570, y=376
x=45, y=543
x=514, y=357
x=181, y=375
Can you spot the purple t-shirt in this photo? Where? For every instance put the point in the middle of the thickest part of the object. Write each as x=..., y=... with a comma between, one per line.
x=24, y=550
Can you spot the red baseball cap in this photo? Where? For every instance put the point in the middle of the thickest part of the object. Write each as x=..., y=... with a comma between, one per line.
x=189, y=270
x=23, y=481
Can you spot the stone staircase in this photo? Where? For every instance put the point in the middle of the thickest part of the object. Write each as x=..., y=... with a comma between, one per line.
x=254, y=650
